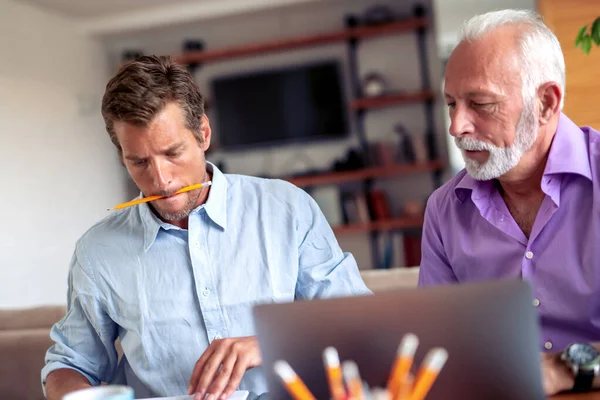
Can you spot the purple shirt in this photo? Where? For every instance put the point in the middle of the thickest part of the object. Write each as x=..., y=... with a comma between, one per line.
x=469, y=235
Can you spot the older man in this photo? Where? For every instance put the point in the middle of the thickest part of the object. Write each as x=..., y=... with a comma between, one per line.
x=528, y=204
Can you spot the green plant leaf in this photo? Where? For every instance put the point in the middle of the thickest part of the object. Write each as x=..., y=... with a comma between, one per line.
x=586, y=44
x=596, y=31
x=580, y=35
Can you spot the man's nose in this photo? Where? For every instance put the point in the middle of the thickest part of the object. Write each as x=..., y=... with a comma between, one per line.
x=460, y=122
x=161, y=176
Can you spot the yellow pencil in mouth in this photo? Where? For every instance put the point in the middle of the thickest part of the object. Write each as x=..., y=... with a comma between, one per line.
x=152, y=198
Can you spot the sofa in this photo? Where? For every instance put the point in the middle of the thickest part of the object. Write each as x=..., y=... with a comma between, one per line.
x=24, y=336
x=24, y=339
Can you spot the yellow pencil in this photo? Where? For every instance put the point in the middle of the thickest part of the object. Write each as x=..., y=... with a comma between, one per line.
x=403, y=363
x=331, y=360
x=432, y=365
x=152, y=198
x=353, y=380
x=406, y=388
x=292, y=382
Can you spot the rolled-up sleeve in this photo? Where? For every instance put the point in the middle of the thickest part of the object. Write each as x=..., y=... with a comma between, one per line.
x=435, y=268
x=84, y=338
x=324, y=269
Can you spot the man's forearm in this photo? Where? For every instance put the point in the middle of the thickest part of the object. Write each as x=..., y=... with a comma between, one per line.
x=63, y=381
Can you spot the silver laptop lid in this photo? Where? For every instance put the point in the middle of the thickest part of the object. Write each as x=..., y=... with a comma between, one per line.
x=489, y=329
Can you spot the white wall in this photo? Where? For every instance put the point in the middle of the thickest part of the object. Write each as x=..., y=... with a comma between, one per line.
x=393, y=56
x=60, y=172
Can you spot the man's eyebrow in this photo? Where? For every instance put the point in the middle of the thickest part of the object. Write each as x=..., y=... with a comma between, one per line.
x=476, y=93
x=133, y=157
x=173, y=147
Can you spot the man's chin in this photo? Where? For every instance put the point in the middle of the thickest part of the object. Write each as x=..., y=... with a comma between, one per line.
x=479, y=172
x=173, y=215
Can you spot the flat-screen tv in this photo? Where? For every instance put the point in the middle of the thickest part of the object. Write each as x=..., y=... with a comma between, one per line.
x=278, y=106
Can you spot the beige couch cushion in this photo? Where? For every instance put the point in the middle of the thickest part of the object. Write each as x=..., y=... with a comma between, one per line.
x=379, y=280
x=21, y=361
x=31, y=318
x=24, y=340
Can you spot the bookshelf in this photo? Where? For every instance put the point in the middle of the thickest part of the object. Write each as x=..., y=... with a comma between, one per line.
x=365, y=173
x=362, y=104
x=354, y=33
x=397, y=223
x=206, y=56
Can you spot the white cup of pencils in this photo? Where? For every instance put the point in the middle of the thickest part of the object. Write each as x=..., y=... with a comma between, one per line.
x=345, y=382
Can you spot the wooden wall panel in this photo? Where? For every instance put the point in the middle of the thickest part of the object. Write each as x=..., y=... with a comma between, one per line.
x=565, y=17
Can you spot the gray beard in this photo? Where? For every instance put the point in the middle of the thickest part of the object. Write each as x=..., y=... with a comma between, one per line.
x=501, y=159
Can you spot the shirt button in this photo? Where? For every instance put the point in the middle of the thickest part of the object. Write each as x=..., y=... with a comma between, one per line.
x=217, y=337
x=548, y=345
x=205, y=292
x=536, y=302
x=529, y=255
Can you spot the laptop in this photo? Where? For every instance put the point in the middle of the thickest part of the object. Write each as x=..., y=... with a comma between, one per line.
x=490, y=330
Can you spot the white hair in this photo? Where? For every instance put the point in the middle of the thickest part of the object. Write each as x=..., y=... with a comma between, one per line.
x=541, y=54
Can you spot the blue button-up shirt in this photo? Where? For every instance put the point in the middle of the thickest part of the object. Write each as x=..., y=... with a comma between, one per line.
x=167, y=292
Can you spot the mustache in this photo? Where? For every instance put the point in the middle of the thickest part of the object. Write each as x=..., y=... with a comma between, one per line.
x=472, y=144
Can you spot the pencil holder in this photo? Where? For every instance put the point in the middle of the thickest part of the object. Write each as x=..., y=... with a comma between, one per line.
x=345, y=382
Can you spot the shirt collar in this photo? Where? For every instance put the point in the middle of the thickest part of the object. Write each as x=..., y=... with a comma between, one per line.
x=151, y=224
x=216, y=204
x=568, y=155
x=215, y=207
x=478, y=189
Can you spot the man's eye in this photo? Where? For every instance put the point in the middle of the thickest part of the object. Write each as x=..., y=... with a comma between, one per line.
x=481, y=105
x=173, y=154
x=139, y=162
x=451, y=105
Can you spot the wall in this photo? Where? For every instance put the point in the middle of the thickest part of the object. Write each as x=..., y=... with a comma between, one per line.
x=453, y=12
x=583, y=72
x=60, y=172
x=393, y=56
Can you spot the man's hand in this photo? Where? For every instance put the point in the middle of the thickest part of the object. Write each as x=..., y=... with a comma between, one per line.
x=556, y=377
x=220, y=369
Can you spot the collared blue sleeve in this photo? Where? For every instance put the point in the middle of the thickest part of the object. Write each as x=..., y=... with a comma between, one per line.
x=324, y=269
x=84, y=338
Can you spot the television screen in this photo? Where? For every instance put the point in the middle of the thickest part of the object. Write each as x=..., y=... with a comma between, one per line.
x=280, y=106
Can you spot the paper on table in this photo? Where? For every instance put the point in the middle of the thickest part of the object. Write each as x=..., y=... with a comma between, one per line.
x=239, y=395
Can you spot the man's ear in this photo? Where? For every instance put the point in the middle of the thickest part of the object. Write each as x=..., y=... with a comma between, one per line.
x=205, y=132
x=550, y=96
